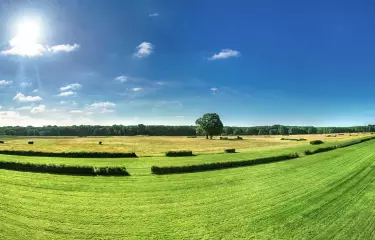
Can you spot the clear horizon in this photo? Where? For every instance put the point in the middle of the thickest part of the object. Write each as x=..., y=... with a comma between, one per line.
x=169, y=62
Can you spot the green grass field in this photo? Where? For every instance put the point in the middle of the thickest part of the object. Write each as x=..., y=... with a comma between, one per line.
x=157, y=146
x=324, y=196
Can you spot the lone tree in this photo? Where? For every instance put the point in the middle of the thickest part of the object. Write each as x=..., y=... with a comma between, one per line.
x=209, y=125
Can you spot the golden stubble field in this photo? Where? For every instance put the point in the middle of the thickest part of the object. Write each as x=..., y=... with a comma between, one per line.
x=157, y=146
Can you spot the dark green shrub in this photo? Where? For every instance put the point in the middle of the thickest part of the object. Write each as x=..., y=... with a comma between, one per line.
x=178, y=153
x=191, y=136
x=316, y=142
x=100, y=143
x=239, y=138
x=30, y=142
x=230, y=150
x=111, y=171
x=64, y=169
x=1, y=142
x=220, y=165
x=69, y=154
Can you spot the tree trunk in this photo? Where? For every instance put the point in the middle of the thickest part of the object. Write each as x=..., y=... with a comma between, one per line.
x=210, y=136
x=207, y=136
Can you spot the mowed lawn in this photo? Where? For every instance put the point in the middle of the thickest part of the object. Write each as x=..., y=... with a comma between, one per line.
x=324, y=196
x=157, y=146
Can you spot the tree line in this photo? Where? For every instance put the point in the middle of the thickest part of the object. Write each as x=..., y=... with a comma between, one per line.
x=161, y=130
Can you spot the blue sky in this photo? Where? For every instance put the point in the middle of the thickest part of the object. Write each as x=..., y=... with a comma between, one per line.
x=168, y=62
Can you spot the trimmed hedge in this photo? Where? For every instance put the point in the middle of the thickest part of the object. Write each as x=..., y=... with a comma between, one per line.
x=178, y=153
x=294, y=139
x=230, y=150
x=64, y=169
x=220, y=165
x=326, y=149
x=30, y=142
x=316, y=142
x=1, y=142
x=319, y=150
x=69, y=154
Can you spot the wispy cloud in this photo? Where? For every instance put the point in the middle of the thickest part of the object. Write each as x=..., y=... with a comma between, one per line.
x=122, y=78
x=154, y=15
x=22, y=98
x=38, y=109
x=143, y=50
x=213, y=90
x=137, y=89
x=24, y=108
x=105, y=110
x=25, y=84
x=66, y=94
x=5, y=82
x=64, y=48
x=35, y=90
x=76, y=111
x=103, y=104
x=73, y=86
x=225, y=53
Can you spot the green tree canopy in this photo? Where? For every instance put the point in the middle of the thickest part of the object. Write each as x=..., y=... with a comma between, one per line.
x=210, y=124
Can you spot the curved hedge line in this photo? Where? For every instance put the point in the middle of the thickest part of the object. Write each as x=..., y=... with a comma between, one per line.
x=219, y=165
x=69, y=154
x=326, y=149
x=64, y=169
x=230, y=150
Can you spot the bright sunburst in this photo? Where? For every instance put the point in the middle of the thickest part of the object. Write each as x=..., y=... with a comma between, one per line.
x=28, y=34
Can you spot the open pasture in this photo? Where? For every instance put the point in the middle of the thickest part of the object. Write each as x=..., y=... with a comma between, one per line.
x=157, y=146
x=323, y=196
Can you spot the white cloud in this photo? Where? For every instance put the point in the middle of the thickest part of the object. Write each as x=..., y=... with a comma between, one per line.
x=225, y=53
x=63, y=48
x=5, y=82
x=66, y=94
x=154, y=15
x=122, y=78
x=73, y=86
x=137, y=89
x=103, y=104
x=1, y=107
x=76, y=111
x=22, y=98
x=35, y=90
x=38, y=109
x=29, y=48
x=105, y=110
x=19, y=47
x=143, y=50
x=213, y=90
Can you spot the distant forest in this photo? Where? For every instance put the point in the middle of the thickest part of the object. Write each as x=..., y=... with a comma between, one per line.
x=161, y=130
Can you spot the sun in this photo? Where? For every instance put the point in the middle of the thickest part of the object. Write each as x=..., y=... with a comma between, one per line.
x=27, y=38
x=28, y=32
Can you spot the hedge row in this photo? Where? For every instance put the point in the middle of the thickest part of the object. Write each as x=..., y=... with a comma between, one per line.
x=347, y=144
x=219, y=165
x=230, y=150
x=178, y=153
x=69, y=154
x=294, y=139
x=319, y=150
x=64, y=169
